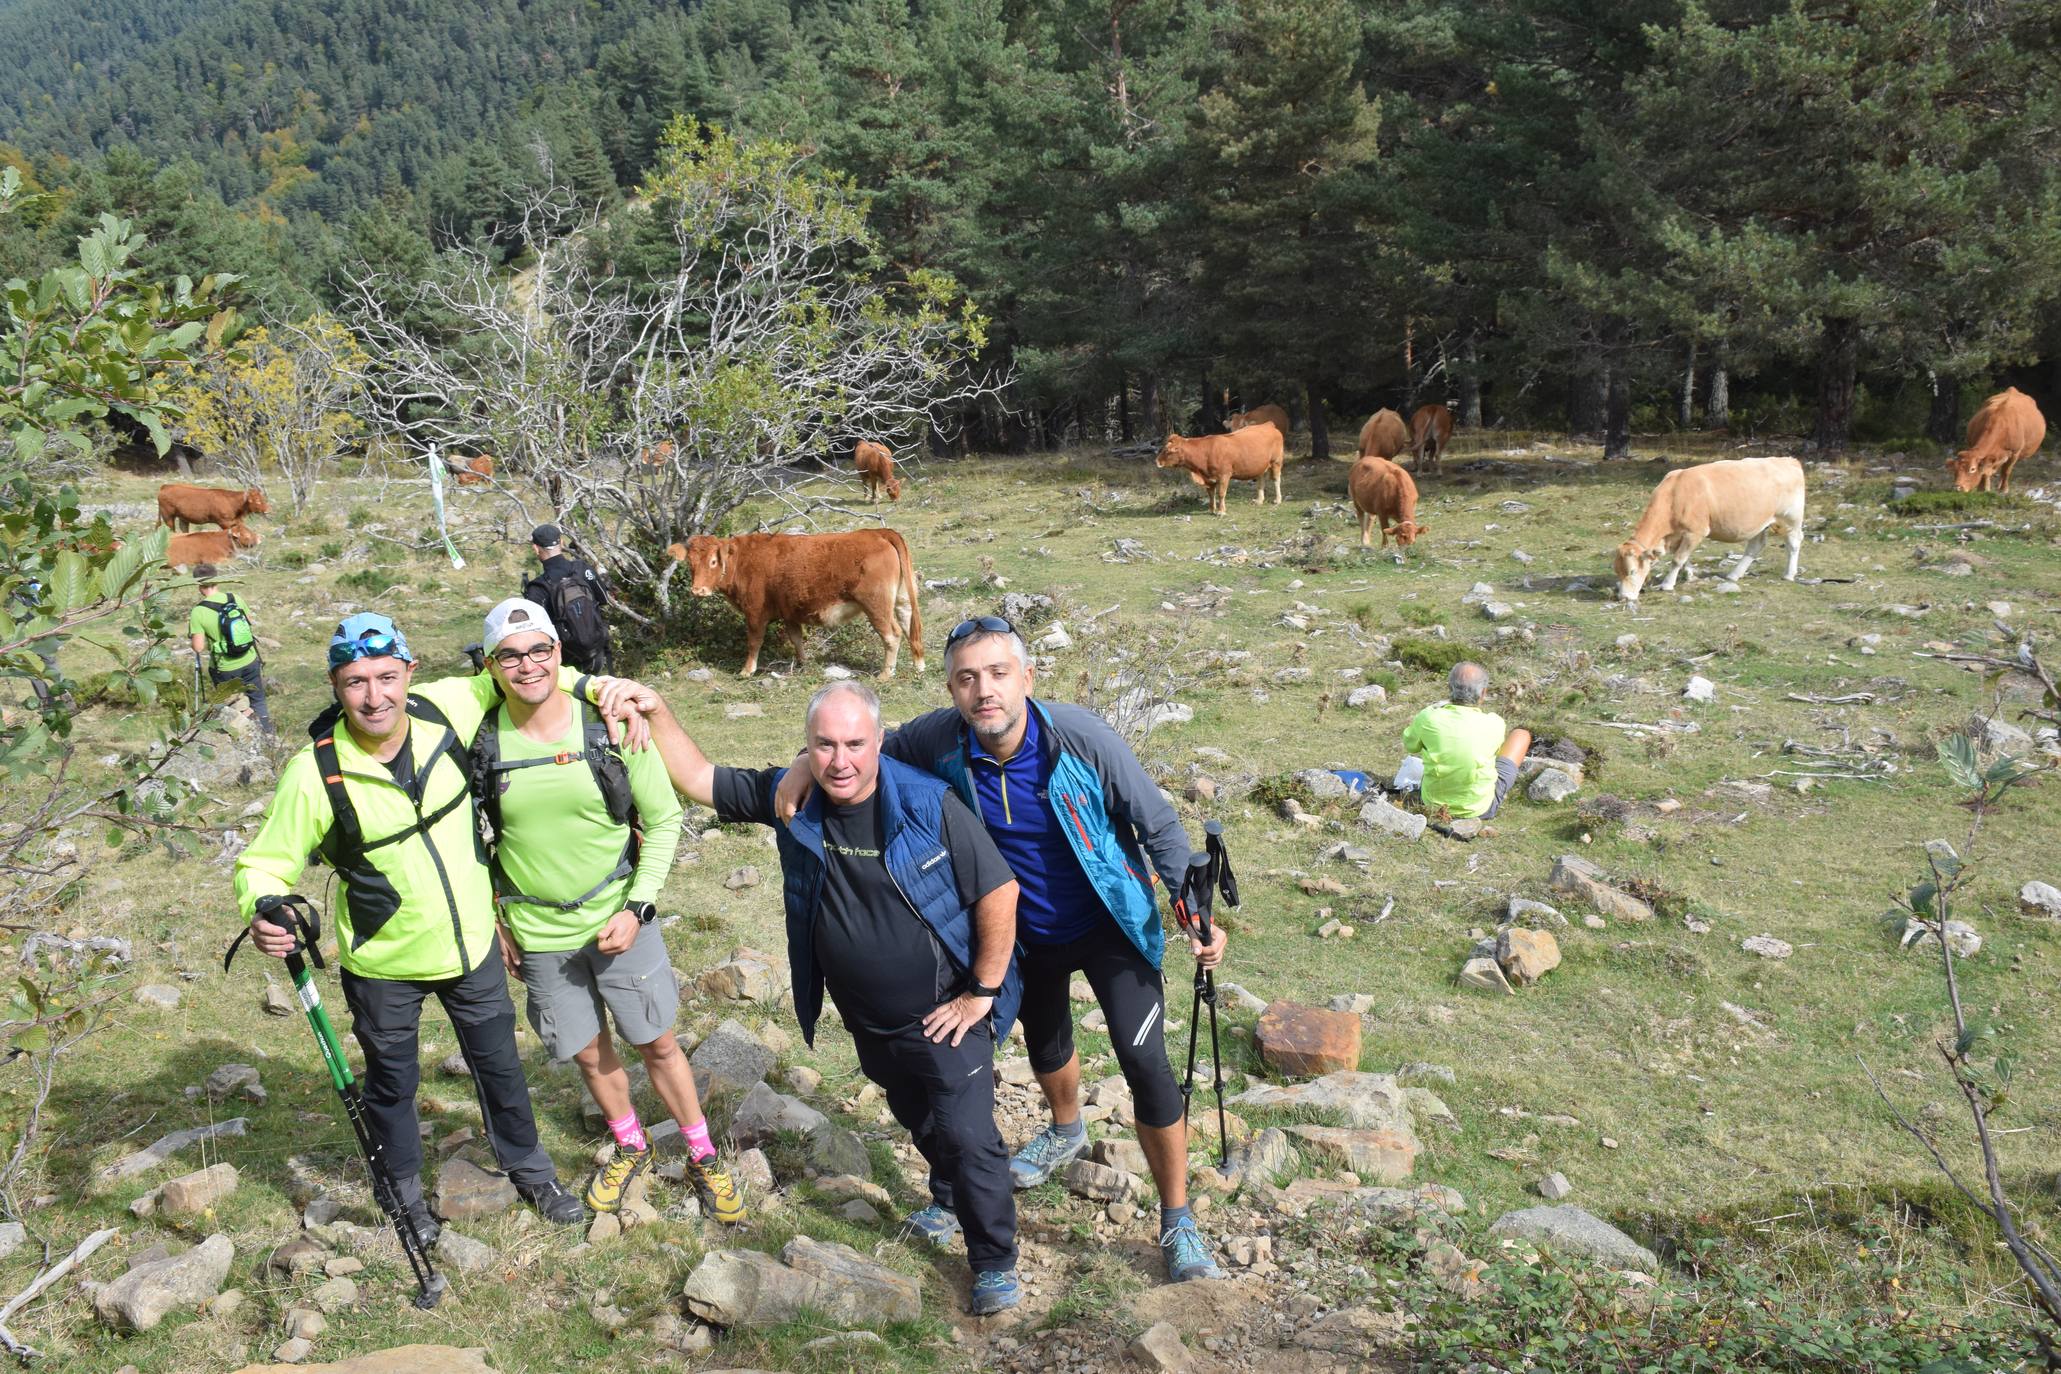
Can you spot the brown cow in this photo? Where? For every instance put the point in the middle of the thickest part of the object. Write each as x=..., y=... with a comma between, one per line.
x=811, y=579
x=1383, y=435
x=1259, y=415
x=876, y=467
x=1213, y=460
x=1384, y=491
x=183, y=507
x=478, y=468
x=1431, y=429
x=2008, y=427
x=208, y=546
x=1736, y=500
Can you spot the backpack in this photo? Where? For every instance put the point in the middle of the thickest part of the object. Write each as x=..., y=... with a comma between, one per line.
x=489, y=776
x=237, y=635
x=576, y=614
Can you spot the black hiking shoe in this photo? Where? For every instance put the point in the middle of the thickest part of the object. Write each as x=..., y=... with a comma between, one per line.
x=554, y=1203
x=427, y=1227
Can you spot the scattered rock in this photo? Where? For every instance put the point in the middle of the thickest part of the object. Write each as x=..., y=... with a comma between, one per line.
x=406, y=1359
x=1372, y=694
x=1381, y=815
x=743, y=710
x=2041, y=901
x=1552, y=785
x=1322, y=784
x=1386, y=1156
x=1159, y=1347
x=297, y=1256
x=463, y=1253
x=1085, y=1178
x=277, y=1001
x=12, y=1235
x=1961, y=937
x=1302, y=1041
x=1483, y=972
x=1999, y=736
x=764, y=1113
x=157, y=995
x=803, y=1079
x=1554, y=1186
x=1370, y=1101
x=1570, y=1229
x=1766, y=946
x=732, y=1059
x=1700, y=688
x=1355, y=1003
x=1128, y=1156
x=196, y=1192
x=140, y=1299
x=465, y=1190
x=336, y=1295
x=754, y=1173
x=746, y=976
x=1525, y=912
x=740, y=878
x=294, y=1351
x=1526, y=955
x=751, y=1288
x=1496, y=610
x=1576, y=877
x=239, y=1079
x=831, y=1149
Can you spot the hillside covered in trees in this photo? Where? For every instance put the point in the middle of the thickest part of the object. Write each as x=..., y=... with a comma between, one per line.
x=1587, y=213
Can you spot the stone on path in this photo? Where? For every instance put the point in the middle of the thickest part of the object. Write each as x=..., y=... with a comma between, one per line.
x=140, y=1299
x=463, y=1253
x=746, y=976
x=738, y=879
x=336, y=1294
x=1700, y=688
x=1085, y=1178
x=465, y=1190
x=1373, y=1101
x=1379, y=814
x=1304, y=1042
x=1766, y=946
x=1372, y=694
x=752, y=1288
x=294, y=1351
x=1384, y=1156
x=1525, y=912
x=1576, y=877
x=732, y=1059
x=765, y=1113
x=1159, y=1347
x=404, y=1359
x=1569, y=1228
x=241, y=1079
x=831, y=1149
x=198, y=1191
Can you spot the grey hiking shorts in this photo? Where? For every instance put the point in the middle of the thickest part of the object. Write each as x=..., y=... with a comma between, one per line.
x=569, y=989
x=1506, y=774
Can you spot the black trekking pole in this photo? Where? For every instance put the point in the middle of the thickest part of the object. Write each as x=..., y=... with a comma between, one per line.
x=305, y=925
x=478, y=654
x=1191, y=910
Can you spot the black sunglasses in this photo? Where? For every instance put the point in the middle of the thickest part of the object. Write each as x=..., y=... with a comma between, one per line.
x=980, y=624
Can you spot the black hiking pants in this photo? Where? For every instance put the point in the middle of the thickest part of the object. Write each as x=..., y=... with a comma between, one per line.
x=386, y=1016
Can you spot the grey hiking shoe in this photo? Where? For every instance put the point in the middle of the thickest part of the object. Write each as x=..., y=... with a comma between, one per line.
x=934, y=1224
x=1044, y=1155
x=1187, y=1253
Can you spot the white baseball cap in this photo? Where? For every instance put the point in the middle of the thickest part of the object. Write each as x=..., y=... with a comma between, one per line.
x=515, y=616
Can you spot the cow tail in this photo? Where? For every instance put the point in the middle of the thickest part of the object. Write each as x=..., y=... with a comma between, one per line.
x=909, y=589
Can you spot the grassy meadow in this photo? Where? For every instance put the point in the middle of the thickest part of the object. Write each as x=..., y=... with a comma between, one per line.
x=1730, y=1086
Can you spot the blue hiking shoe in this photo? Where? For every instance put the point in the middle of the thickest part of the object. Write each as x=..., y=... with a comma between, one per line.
x=995, y=1290
x=1044, y=1155
x=1187, y=1253
x=934, y=1224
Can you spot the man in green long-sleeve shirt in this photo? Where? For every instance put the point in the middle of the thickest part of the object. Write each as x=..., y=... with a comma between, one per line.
x=577, y=884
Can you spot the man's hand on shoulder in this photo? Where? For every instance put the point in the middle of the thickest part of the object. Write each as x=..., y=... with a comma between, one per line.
x=626, y=705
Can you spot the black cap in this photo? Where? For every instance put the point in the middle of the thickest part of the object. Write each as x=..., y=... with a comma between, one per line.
x=545, y=536
x=205, y=572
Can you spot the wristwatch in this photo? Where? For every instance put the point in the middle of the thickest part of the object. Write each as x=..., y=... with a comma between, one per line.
x=645, y=912
x=976, y=990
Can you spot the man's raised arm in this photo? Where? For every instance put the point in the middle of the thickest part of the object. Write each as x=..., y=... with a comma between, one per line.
x=694, y=777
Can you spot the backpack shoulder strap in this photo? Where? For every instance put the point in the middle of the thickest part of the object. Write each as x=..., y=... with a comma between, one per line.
x=611, y=773
x=350, y=837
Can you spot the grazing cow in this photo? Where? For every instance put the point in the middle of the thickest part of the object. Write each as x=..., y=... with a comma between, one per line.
x=208, y=546
x=1259, y=415
x=877, y=470
x=475, y=470
x=1736, y=501
x=1431, y=429
x=1384, y=491
x=182, y=507
x=2008, y=427
x=1383, y=435
x=1213, y=460
x=811, y=579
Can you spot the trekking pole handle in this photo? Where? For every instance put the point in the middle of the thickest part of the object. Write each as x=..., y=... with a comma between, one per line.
x=1220, y=861
x=1192, y=908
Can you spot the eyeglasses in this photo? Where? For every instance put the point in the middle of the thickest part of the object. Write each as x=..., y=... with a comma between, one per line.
x=536, y=653
x=371, y=644
x=980, y=624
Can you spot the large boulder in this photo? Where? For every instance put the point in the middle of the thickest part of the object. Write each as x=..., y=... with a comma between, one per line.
x=751, y=1288
x=1385, y=1156
x=1371, y=1101
x=1576, y=877
x=1574, y=1231
x=1305, y=1041
x=1526, y=955
x=2041, y=901
x=140, y=1299
x=732, y=1059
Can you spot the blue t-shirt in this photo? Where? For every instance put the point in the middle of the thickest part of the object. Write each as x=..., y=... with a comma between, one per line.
x=1055, y=902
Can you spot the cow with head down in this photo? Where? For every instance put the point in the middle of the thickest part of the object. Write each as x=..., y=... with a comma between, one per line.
x=1383, y=491
x=876, y=467
x=1735, y=501
x=2008, y=427
x=1259, y=415
x=811, y=579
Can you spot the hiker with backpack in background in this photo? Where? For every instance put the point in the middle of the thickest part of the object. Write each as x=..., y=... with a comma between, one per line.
x=572, y=593
x=579, y=856
x=222, y=636
x=383, y=795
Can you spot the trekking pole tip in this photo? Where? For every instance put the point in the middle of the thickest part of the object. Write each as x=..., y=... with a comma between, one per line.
x=432, y=1292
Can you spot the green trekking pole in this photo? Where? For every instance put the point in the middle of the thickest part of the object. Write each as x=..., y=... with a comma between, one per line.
x=294, y=914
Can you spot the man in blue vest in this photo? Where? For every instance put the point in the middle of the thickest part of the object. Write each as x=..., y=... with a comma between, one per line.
x=899, y=904
x=1085, y=831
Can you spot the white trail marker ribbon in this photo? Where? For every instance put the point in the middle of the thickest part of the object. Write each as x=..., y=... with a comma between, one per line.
x=436, y=496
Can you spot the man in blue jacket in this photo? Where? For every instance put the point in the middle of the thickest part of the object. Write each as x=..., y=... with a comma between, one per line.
x=901, y=907
x=1085, y=831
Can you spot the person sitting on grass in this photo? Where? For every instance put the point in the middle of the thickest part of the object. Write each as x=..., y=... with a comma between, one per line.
x=582, y=854
x=1469, y=757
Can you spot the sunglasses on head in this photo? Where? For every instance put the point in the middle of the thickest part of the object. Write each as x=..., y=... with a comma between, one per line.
x=980, y=624
x=371, y=644
x=536, y=653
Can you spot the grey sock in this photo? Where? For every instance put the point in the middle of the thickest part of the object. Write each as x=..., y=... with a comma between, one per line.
x=1077, y=1129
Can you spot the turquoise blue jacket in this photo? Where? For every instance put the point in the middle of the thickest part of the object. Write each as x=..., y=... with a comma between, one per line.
x=1124, y=832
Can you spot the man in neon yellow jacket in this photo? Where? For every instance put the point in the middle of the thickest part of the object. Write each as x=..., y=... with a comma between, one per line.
x=382, y=795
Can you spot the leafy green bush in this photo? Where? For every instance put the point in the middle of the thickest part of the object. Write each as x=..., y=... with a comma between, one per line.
x=292, y=560
x=331, y=549
x=1947, y=501
x=1418, y=614
x=1435, y=656
x=370, y=581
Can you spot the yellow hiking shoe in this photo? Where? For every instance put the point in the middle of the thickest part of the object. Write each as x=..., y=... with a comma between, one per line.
x=717, y=1193
x=605, y=1191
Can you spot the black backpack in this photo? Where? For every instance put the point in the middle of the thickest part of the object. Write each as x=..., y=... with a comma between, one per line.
x=576, y=614
x=489, y=773
x=237, y=635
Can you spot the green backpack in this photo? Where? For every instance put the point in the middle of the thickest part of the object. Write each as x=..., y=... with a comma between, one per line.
x=237, y=636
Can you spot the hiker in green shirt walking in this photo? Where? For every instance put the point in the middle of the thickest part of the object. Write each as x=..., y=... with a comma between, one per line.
x=222, y=635
x=1469, y=760
x=585, y=838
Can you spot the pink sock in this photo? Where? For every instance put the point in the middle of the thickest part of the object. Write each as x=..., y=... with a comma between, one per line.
x=699, y=1146
x=629, y=1133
